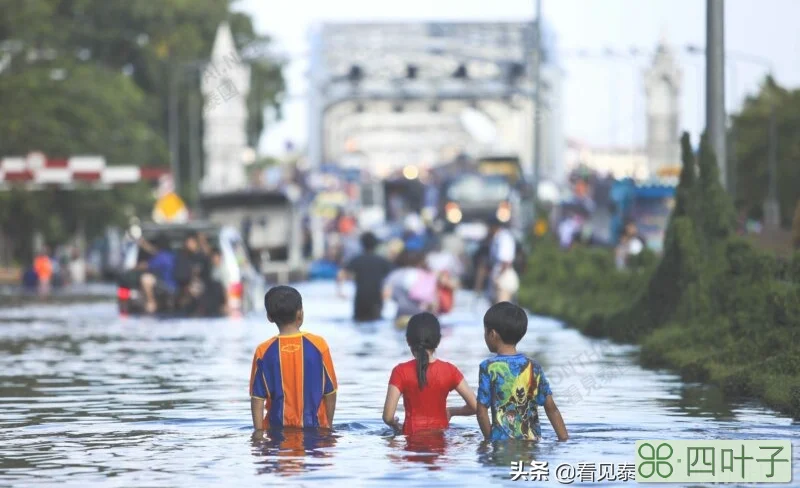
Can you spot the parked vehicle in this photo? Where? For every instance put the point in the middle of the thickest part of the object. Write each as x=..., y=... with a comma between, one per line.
x=473, y=197
x=243, y=286
x=270, y=223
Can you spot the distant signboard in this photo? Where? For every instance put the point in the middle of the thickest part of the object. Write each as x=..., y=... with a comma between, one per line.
x=170, y=208
x=510, y=168
x=327, y=204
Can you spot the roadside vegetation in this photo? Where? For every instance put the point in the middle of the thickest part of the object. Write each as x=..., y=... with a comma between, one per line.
x=94, y=77
x=714, y=307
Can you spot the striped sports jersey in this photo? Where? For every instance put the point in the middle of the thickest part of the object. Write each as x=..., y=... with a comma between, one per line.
x=292, y=373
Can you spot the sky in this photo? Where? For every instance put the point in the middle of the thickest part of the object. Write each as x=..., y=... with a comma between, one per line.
x=603, y=97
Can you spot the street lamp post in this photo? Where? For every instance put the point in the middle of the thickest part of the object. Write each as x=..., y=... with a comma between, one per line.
x=715, y=82
x=772, y=210
x=174, y=141
x=537, y=122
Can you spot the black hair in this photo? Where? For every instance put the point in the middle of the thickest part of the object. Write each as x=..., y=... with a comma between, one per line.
x=369, y=241
x=161, y=242
x=435, y=244
x=402, y=259
x=494, y=222
x=509, y=320
x=422, y=334
x=216, y=250
x=282, y=304
x=411, y=259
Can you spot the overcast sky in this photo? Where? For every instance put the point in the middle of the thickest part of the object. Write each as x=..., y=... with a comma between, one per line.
x=604, y=98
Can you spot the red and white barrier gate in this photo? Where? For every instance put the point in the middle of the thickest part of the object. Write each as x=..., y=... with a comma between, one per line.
x=36, y=170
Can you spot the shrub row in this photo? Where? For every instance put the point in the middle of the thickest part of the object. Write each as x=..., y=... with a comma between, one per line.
x=712, y=307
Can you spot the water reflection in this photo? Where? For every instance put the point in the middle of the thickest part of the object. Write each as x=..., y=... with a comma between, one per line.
x=423, y=447
x=502, y=454
x=85, y=397
x=701, y=401
x=289, y=452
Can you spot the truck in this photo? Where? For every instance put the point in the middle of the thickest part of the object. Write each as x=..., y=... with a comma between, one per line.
x=496, y=187
x=270, y=223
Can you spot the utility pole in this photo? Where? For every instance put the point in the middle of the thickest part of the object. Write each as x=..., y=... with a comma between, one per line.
x=537, y=98
x=715, y=83
x=733, y=167
x=194, y=148
x=772, y=211
x=174, y=141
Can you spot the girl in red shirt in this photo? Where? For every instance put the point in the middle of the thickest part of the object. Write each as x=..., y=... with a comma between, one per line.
x=424, y=382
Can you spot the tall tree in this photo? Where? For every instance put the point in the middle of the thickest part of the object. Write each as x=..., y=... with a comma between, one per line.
x=92, y=77
x=751, y=145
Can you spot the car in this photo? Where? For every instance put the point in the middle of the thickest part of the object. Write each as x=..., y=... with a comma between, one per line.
x=476, y=198
x=244, y=286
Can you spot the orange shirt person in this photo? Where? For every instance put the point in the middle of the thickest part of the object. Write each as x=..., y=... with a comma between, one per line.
x=292, y=376
x=43, y=267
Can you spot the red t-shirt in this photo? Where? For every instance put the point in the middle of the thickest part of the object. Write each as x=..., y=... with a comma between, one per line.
x=426, y=409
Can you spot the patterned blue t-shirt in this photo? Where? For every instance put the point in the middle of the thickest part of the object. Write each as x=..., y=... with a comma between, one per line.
x=512, y=387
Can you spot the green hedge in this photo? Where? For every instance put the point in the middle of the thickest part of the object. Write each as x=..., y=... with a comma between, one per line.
x=713, y=307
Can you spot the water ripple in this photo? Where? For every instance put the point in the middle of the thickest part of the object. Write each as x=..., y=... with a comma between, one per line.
x=88, y=398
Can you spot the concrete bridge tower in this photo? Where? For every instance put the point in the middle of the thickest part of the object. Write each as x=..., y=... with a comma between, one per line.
x=225, y=85
x=663, y=88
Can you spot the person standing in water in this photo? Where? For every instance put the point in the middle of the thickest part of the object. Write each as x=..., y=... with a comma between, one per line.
x=43, y=266
x=368, y=270
x=292, y=379
x=504, y=280
x=512, y=386
x=424, y=383
x=411, y=286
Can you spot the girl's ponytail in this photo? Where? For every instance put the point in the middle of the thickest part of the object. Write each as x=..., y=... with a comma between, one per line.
x=423, y=334
x=421, y=354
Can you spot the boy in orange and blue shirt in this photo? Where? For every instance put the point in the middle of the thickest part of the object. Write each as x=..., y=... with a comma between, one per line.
x=292, y=375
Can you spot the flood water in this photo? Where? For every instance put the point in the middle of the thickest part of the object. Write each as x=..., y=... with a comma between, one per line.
x=87, y=398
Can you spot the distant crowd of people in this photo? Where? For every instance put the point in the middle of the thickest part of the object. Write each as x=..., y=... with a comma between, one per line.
x=51, y=270
x=575, y=229
x=189, y=280
x=422, y=271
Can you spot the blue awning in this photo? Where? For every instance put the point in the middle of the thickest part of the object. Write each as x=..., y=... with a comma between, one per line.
x=655, y=191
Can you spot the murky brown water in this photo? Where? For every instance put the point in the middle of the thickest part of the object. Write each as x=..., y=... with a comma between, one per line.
x=89, y=399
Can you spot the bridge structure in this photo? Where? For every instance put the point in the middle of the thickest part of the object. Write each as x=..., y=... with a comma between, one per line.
x=387, y=95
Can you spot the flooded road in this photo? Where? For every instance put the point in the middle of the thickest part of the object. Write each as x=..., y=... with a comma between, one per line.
x=87, y=398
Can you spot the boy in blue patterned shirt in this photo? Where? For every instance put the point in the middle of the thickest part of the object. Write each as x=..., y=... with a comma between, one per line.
x=511, y=384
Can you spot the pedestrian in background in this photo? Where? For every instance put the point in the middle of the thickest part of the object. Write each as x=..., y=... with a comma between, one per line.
x=368, y=270
x=77, y=267
x=504, y=280
x=411, y=286
x=43, y=266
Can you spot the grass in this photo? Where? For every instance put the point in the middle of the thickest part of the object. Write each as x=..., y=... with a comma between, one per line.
x=747, y=341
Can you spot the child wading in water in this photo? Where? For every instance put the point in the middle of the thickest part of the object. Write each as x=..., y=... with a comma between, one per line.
x=511, y=384
x=424, y=382
x=292, y=376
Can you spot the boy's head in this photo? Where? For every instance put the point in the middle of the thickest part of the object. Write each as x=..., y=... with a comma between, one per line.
x=191, y=242
x=284, y=306
x=493, y=225
x=161, y=242
x=216, y=256
x=369, y=241
x=504, y=323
